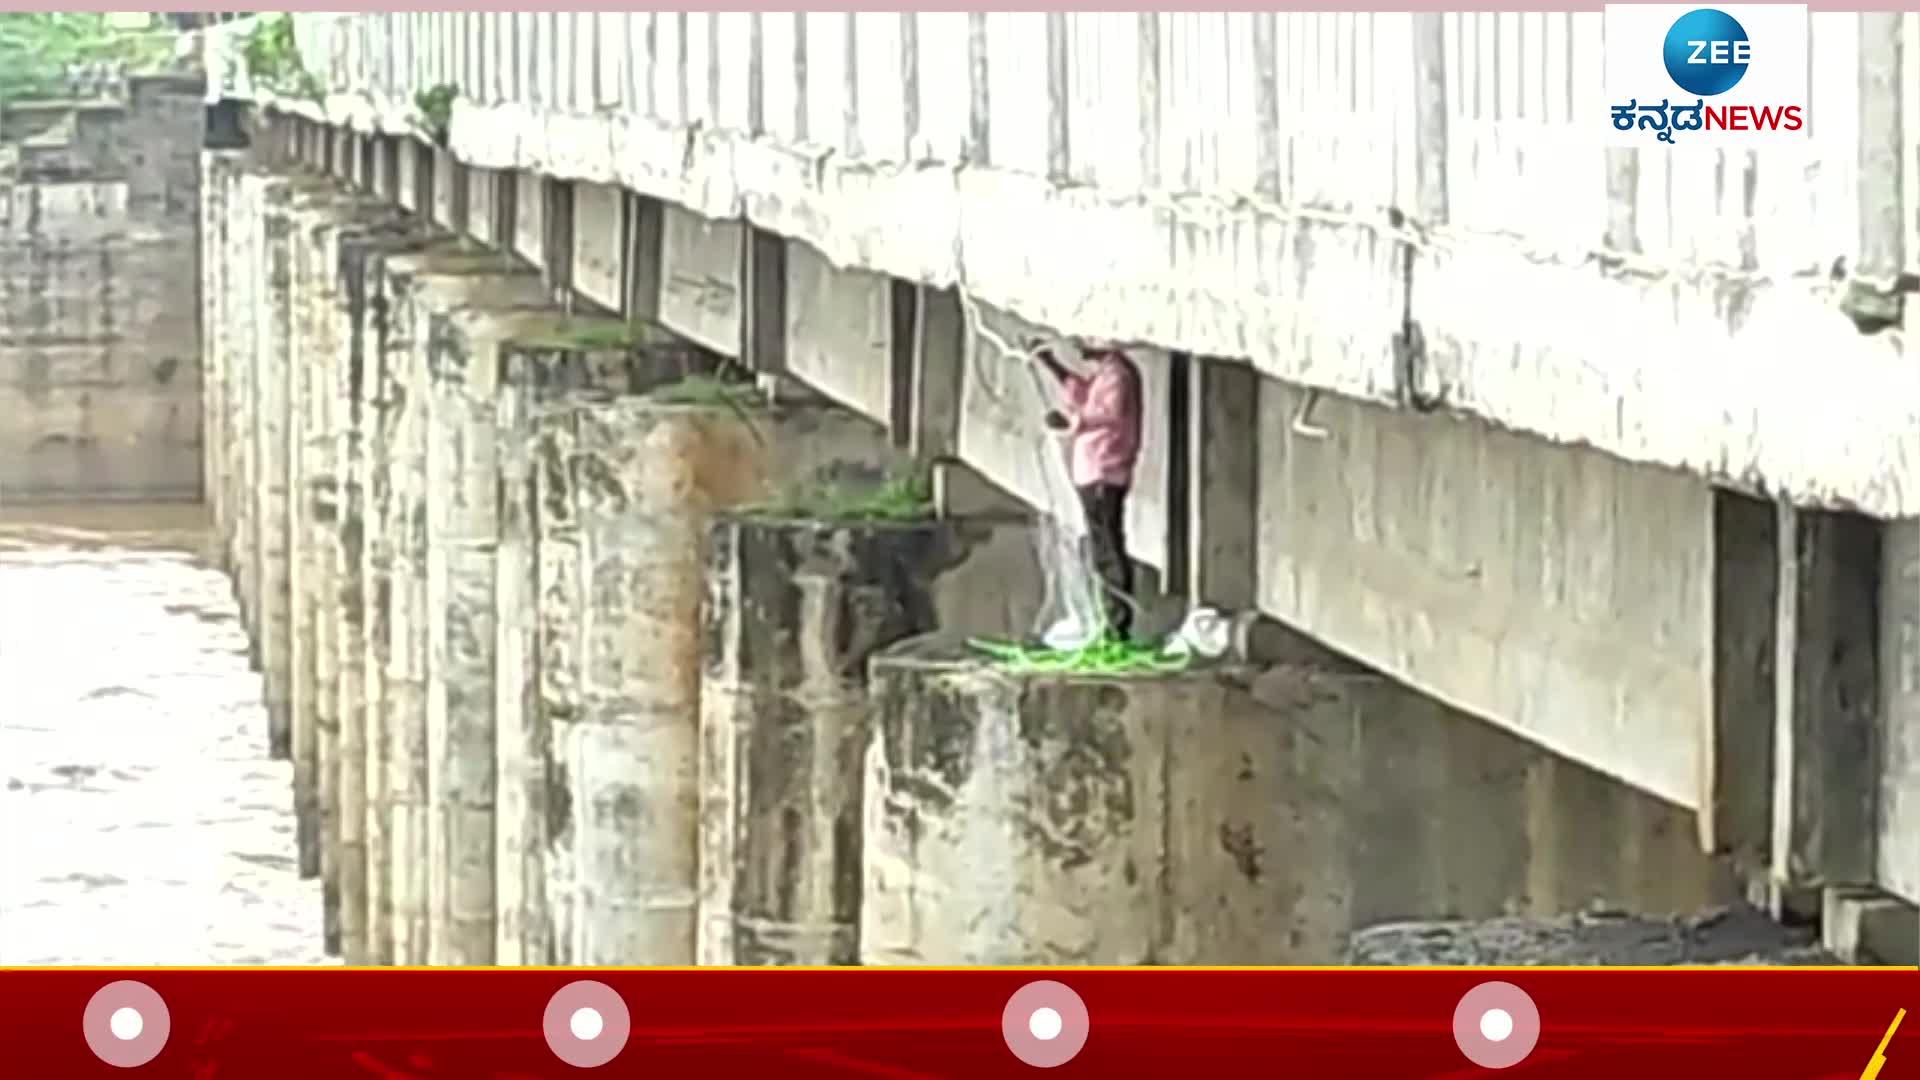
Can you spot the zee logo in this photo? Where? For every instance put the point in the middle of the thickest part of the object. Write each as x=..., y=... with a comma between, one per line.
x=1707, y=52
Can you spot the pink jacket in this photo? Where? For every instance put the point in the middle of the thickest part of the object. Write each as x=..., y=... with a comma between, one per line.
x=1104, y=408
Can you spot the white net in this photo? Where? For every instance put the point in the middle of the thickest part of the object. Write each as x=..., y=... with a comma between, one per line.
x=1072, y=614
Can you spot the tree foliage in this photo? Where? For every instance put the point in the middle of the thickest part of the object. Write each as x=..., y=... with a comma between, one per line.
x=38, y=50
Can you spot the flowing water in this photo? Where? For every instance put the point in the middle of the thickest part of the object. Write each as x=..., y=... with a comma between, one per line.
x=141, y=821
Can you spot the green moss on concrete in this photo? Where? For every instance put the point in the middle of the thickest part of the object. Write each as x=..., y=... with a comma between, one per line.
x=591, y=334
x=900, y=497
x=714, y=391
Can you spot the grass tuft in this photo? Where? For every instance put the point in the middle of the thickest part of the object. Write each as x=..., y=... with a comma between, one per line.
x=710, y=390
x=903, y=496
x=433, y=112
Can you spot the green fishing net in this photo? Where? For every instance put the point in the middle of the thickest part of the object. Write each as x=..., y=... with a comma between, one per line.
x=1108, y=656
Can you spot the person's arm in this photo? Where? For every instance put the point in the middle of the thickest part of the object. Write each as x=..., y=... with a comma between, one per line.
x=1044, y=353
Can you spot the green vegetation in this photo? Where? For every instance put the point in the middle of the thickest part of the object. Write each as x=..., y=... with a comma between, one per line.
x=38, y=49
x=1106, y=657
x=273, y=61
x=710, y=390
x=903, y=496
x=592, y=333
x=433, y=112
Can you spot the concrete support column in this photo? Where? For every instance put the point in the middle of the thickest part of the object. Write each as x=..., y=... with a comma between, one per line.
x=268, y=474
x=1738, y=819
x=245, y=241
x=937, y=373
x=625, y=491
x=219, y=171
x=1897, y=864
x=462, y=497
x=645, y=237
x=344, y=255
x=395, y=689
x=377, y=402
x=308, y=479
x=415, y=287
x=1826, y=698
x=764, y=324
x=795, y=607
x=1223, y=429
x=540, y=367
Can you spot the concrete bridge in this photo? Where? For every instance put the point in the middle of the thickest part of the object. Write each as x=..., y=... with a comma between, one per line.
x=1608, y=455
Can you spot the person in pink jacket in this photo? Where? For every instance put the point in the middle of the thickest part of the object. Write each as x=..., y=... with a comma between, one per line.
x=1101, y=412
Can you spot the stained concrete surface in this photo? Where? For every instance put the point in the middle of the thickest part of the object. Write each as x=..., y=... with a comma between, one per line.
x=141, y=821
x=1736, y=935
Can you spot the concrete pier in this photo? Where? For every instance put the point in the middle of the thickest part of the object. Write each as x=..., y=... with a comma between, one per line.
x=366, y=603
x=795, y=607
x=462, y=495
x=624, y=492
x=543, y=361
x=1233, y=816
x=341, y=250
x=422, y=290
x=313, y=479
x=270, y=509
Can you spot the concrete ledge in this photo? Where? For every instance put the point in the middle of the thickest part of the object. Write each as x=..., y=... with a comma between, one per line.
x=1866, y=926
x=1230, y=816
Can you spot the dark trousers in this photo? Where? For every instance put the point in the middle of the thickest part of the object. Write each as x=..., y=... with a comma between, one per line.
x=1106, y=508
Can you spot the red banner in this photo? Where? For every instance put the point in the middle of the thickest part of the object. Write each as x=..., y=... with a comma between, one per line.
x=520, y=1024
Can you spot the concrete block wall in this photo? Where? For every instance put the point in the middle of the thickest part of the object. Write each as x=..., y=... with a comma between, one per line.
x=100, y=352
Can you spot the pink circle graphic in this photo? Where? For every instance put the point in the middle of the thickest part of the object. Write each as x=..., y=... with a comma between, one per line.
x=1496, y=1025
x=1045, y=1024
x=586, y=1024
x=124, y=1048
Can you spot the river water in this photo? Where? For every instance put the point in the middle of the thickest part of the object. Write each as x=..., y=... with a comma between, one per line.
x=141, y=821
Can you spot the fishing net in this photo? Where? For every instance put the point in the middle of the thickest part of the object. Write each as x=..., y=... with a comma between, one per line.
x=1069, y=633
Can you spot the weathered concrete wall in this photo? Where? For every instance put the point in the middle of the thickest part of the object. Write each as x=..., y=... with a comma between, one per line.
x=623, y=493
x=599, y=244
x=342, y=253
x=313, y=350
x=1231, y=817
x=794, y=610
x=221, y=459
x=420, y=290
x=1897, y=855
x=462, y=499
x=839, y=331
x=375, y=353
x=1555, y=591
x=100, y=306
x=700, y=279
x=541, y=366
